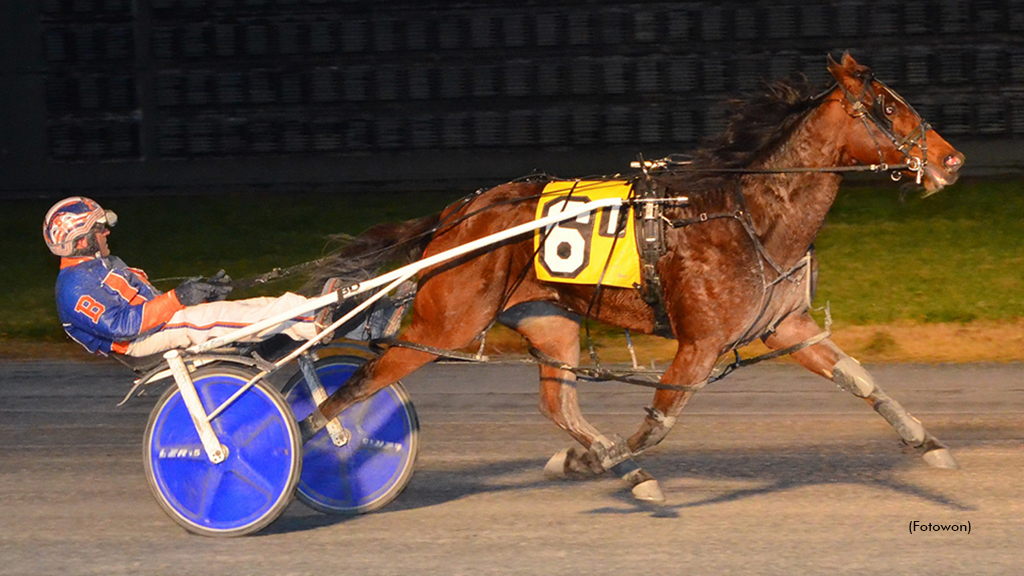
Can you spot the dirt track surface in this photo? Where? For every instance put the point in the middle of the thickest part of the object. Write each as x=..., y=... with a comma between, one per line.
x=772, y=471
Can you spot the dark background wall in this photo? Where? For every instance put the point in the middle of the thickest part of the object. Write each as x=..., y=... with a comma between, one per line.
x=203, y=95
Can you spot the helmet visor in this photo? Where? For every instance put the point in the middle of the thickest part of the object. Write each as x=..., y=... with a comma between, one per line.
x=109, y=218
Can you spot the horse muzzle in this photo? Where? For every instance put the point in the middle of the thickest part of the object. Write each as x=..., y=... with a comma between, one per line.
x=953, y=162
x=938, y=176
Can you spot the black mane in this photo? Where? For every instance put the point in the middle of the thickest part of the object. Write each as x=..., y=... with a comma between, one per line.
x=757, y=124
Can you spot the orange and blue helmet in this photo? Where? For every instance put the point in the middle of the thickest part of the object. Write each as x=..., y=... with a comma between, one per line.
x=70, y=219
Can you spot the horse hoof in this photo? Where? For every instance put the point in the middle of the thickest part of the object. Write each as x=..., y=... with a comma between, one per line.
x=555, y=468
x=648, y=491
x=940, y=458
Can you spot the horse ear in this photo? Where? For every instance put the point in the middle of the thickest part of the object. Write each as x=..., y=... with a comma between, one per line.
x=833, y=67
x=849, y=72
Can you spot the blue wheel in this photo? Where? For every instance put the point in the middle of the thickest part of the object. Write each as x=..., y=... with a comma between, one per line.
x=256, y=482
x=376, y=464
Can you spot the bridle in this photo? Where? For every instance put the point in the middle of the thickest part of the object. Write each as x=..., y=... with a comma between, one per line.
x=870, y=105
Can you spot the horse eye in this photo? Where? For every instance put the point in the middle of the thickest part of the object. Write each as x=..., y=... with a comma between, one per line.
x=890, y=109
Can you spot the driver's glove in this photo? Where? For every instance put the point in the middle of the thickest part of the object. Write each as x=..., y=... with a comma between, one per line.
x=197, y=290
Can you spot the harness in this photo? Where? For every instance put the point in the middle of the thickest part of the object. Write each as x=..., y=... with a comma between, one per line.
x=650, y=242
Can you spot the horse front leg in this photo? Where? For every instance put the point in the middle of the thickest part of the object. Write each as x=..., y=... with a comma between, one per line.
x=826, y=359
x=691, y=365
x=556, y=333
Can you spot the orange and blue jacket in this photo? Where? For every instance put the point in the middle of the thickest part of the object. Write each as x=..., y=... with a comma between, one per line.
x=104, y=305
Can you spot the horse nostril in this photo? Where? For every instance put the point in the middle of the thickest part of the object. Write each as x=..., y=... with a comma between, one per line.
x=953, y=162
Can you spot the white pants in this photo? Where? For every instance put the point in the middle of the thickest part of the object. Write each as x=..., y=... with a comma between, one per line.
x=197, y=324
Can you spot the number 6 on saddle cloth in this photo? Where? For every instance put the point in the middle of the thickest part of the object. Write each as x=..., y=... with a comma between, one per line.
x=593, y=248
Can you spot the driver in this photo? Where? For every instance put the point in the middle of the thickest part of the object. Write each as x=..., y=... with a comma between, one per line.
x=108, y=307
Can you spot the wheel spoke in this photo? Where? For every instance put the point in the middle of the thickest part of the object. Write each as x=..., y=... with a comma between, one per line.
x=347, y=478
x=251, y=476
x=263, y=425
x=214, y=476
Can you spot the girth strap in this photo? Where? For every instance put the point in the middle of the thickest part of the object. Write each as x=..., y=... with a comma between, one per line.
x=650, y=242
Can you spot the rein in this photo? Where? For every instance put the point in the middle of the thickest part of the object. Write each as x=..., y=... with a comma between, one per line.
x=269, y=276
x=913, y=164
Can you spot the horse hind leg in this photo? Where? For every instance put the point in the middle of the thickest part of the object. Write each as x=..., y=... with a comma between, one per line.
x=555, y=332
x=430, y=326
x=826, y=359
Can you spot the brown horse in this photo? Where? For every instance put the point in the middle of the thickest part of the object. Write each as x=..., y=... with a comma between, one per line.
x=738, y=265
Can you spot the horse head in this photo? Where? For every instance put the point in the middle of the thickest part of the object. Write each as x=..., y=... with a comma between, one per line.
x=895, y=133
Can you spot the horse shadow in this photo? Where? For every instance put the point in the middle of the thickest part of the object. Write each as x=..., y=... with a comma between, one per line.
x=765, y=472
x=772, y=472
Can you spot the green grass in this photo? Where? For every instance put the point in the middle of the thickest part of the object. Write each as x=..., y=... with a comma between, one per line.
x=957, y=256
x=954, y=257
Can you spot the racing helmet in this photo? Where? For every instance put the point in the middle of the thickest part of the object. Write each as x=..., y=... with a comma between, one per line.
x=70, y=219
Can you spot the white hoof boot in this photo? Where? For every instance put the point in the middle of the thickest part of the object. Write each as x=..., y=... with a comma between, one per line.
x=648, y=491
x=940, y=458
x=555, y=468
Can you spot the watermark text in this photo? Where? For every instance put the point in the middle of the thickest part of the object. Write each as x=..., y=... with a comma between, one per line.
x=918, y=526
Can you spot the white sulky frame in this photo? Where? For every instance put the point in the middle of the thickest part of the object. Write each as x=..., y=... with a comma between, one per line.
x=390, y=281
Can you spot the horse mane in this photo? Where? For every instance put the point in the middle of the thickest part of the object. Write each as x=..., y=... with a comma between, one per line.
x=757, y=125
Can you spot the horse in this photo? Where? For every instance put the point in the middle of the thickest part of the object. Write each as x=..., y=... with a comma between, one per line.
x=737, y=265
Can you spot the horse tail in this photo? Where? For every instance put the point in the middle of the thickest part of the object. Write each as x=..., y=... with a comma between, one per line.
x=361, y=257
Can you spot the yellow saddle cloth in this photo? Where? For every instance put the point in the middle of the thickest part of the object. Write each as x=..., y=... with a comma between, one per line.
x=597, y=247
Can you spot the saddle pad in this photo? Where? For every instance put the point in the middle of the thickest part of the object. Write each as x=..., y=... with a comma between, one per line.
x=597, y=247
